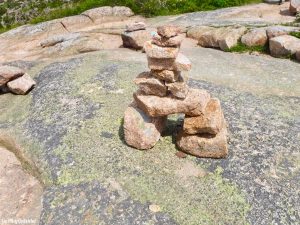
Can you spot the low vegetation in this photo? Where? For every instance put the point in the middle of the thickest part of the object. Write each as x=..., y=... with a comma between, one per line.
x=240, y=47
x=39, y=11
x=295, y=34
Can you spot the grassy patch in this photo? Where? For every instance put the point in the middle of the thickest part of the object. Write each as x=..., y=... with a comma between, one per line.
x=295, y=34
x=146, y=8
x=240, y=47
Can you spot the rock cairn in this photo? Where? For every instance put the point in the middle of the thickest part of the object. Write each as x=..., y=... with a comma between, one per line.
x=163, y=91
x=15, y=80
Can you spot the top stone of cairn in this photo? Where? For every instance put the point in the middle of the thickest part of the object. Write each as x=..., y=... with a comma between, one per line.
x=168, y=31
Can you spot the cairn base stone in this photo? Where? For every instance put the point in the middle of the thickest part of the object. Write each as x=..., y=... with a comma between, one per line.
x=210, y=122
x=204, y=145
x=193, y=105
x=141, y=131
x=150, y=85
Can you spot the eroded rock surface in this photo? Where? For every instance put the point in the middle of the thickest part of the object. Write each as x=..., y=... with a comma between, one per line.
x=20, y=192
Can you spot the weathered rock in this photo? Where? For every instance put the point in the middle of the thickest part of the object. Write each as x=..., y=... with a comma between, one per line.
x=150, y=85
x=223, y=37
x=193, y=105
x=98, y=13
x=167, y=42
x=141, y=131
x=294, y=6
x=276, y=31
x=182, y=63
x=179, y=89
x=284, y=45
x=210, y=122
x=136, y=39
x=166, y=75
x=89, y=45
x=20, y=192
x=168, y=31
x=51, y=41
x=157, y=52
x=135, y=26
x=204, y=145
x=122, y=11
x=197, y=31
x=8, y=73
x=255, y=37
x=107, y=11
x=21, y=85
x=298, y=55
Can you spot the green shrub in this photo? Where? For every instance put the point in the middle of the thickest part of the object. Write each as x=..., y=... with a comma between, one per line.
x=295, y=34
x=240, y=47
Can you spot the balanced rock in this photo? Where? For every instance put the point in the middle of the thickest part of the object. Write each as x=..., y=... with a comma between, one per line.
x=166, y=75
x=255, y=37
x=136, y=39
x=135, y=26
x=167, y=42
x=168, y=31
x=211, y=121
x=284, y=45
x=179, y=89
x=8, y=73
x=21, y=85
x=181, y=63
x=193, y=105
x=158, y=52
x=150, y=85
x=141, y=131
x=204, y=145
x=294, y=6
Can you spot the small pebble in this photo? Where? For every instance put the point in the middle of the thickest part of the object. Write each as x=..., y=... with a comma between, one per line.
x=154, y=208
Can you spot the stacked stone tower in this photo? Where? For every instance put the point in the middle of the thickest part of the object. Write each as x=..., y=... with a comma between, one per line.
x=163, y=91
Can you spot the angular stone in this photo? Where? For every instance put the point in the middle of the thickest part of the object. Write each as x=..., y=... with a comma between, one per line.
x=136, y=39
x=168, y=31
x=8, y=73
x=150, y=85
x=210, y=122
x=276, y=31
x=223, y=37
x=179, y=89
x=167, y=42
x=197, y=31
x=284, y=45
x=204, y=145
x=166, y=75
x=21, y=85
x=141, y=131
x=182, y=63
x=255, y=37
x=193, y=105
x=294, y=6
x=157, y=52
x=135, y=26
